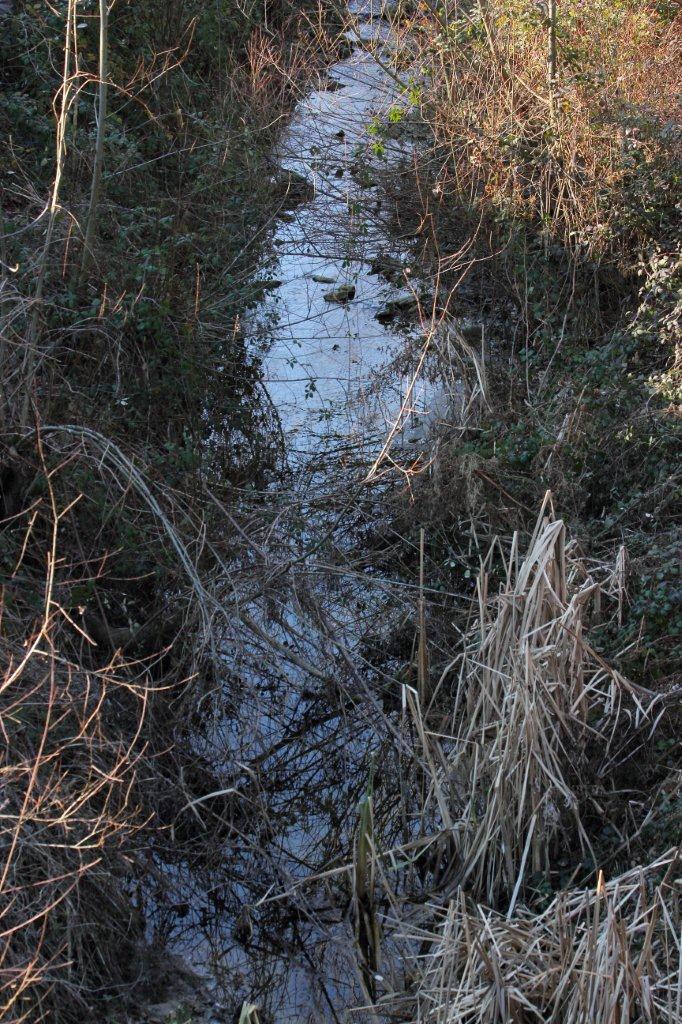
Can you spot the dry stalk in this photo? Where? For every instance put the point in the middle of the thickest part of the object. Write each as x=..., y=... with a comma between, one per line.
x=593, y=957
x=69, y=805
x=528, y=685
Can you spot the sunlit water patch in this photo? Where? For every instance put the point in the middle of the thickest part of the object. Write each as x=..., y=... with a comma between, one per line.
x=333, y=370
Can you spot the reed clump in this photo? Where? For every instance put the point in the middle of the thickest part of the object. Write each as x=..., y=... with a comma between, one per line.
x=534, y=732
x=601, y=954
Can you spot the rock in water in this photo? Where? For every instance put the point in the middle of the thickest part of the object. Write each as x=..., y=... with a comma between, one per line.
x=266, y=285
x=404, y=303
x=294, y=188
x=344, y=293
x=389, y=267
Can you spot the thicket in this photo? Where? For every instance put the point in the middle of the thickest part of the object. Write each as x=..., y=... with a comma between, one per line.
x=137, y=189
x=515, y=854
x=569, y=180
x=546, y=204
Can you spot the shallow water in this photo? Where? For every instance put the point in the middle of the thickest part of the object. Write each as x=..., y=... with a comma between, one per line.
x=330, y=367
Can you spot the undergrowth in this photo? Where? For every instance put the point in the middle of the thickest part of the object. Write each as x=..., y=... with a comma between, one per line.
x=544, y=204
x=576, y=275
x=137, y=193
x=515, y=852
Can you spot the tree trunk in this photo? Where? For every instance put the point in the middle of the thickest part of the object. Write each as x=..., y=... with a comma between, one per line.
x=551, y=53
x=33, y=332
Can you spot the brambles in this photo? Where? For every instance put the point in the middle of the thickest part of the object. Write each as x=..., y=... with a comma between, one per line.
x=71, y=805
x=595, y=166
x=125, y=386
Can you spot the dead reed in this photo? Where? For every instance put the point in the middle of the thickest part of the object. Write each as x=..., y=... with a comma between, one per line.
x=536, y=719
x=607, y=954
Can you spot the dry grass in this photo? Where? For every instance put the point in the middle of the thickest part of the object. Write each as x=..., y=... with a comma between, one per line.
x=87, y=723
x=609, y=954
x=564, y=163
x=528, y=695
x=538, y=718
x=69, y=803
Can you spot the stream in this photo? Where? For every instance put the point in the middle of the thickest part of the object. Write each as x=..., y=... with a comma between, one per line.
x=338, y=372
x=343, y=384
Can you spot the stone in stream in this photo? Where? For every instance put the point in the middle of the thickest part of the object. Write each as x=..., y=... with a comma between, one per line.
x=293, y=188
x=161, y=1013
x=322, y=279
x=344, y=293
x=362, y=174
x=332, y=85
x=405, y=303
x=389, y=267
x=266, y=285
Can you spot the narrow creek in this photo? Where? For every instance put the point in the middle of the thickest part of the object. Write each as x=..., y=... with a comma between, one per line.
x=336, y=371
x=341, y=382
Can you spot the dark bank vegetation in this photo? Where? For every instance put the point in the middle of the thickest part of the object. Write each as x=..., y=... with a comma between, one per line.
x=568, y=172
x=504, y=805
x=546, y=204
x=137, y=188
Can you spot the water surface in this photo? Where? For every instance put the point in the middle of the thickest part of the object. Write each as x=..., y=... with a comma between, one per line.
x=295, y=748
